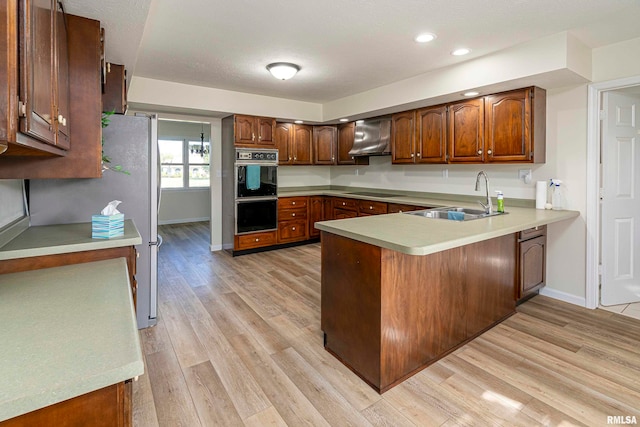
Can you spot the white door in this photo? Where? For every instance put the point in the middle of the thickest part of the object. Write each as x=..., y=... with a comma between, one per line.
x=620, y=201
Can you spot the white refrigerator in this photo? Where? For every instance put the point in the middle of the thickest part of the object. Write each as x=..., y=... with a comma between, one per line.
x=132, y=142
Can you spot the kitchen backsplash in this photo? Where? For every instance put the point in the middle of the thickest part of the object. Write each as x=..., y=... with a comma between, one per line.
x=11, y=201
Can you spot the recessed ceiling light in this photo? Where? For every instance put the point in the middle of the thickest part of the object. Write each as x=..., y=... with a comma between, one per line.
x=471, y=93
x=359, y=122
x=298, y=122
x=460, y=52
x=344, y=120
x=425, y=38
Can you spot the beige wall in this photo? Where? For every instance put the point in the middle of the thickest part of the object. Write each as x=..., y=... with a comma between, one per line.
x=178, y=206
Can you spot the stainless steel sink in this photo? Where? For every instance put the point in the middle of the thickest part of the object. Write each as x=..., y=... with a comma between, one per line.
x=454, y=213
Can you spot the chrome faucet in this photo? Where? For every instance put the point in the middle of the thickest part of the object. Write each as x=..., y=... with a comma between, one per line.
x=488, y=208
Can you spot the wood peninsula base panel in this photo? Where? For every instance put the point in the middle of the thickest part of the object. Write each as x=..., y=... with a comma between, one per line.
x=106, y=407
x=387, y=315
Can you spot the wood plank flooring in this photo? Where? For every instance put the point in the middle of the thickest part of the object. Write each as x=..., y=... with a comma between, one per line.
x=239, y=343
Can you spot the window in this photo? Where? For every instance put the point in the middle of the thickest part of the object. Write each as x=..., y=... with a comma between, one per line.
x=182, y=165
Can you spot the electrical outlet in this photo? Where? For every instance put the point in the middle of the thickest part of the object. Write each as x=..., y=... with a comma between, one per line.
x=525, y=175
x=445, y=173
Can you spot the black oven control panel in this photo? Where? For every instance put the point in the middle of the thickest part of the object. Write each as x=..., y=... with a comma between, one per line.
x=257, y=155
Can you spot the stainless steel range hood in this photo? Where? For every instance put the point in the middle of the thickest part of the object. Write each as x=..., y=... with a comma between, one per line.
x=372, y=137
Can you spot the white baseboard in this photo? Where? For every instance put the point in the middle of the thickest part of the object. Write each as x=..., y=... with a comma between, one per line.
x=182, y=220
x=215, y=248
x=227, y=246
x=563, y=296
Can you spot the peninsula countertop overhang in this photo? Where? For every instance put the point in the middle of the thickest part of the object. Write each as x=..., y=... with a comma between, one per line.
x=415, y=235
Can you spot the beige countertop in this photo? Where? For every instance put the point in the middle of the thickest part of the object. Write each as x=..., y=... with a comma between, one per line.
x=416, y=235
x=66, y=331
x=64, y=238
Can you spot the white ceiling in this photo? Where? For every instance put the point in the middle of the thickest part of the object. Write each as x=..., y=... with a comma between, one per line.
x=342, y=46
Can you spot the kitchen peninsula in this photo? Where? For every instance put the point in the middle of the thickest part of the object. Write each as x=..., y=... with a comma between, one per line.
x=401, y=291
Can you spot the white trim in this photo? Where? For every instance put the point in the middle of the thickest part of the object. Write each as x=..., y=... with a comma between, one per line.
x=183, y=220
x=563, y=296
x=215, y=248
x=227, y=246
x=592, y=291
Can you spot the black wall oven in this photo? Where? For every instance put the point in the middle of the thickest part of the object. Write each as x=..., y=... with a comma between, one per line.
x=256, y=190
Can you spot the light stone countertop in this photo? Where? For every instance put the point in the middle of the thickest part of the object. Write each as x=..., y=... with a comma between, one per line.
x=66, y=331
x=64, y=238
x=415, y=235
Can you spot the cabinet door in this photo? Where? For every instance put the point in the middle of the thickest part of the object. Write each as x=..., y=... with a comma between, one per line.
x=36, y=56
x=316, y=214
x=402, y=137
x=324, y=145
x=283, y=137
x=244, y=130
x=346, y=135
x=466, y=131
x=302, y=142
x=265, y=129
x=292, y=231
x=8, y=70
x=431, y=135
x=62, y=69
x=114, y=94
x=532, y=265
x=508, y=126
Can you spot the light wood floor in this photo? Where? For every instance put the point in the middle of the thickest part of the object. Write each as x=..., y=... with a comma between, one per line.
x=239, y=343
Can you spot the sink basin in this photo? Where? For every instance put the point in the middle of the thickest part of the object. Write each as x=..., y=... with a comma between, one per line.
x=454, y=213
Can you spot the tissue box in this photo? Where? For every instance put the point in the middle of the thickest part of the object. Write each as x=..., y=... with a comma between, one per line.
x=107, y=226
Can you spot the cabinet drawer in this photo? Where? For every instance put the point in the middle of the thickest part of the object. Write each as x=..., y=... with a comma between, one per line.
x=291, y=231
x=368, y=207
x=530, y=233
x=348, y=204
x=256, y=240
x=292, y=202
x=339, y=213
x=287, y=214
x=398, y=208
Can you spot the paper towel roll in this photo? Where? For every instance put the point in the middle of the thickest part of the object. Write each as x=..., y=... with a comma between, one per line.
x=541, y=194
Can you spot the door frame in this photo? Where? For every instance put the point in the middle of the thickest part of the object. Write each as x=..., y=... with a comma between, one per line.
x=594, y=105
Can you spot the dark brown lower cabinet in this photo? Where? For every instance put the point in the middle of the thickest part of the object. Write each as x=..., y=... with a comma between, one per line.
x=532, y=250
x=106, y=407
x=387, y=315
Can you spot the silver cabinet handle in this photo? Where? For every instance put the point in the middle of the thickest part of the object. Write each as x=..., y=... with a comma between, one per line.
x=479, y=151
x=293, y=203
x=370, y=207
x=257, y=240
x=343, y=203
x=293, y=214
x=293, y=228
x=418, y=155
x=411, y=154
x=488, y=151
x=253, y=136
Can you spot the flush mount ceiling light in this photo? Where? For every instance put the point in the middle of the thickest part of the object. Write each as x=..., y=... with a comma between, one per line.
x=344, y=120
x=425, y=38
x=471, y=93
x=283, y=70
x=460, y=52
x=298, y=122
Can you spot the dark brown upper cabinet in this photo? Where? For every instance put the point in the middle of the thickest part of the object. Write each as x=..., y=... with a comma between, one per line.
x=515, y=126
x=402, y=137
x=466, y=131
x=254, y=131
x=294, y=143
x=324, y=145
x=431, y=135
